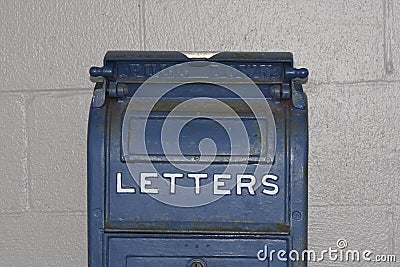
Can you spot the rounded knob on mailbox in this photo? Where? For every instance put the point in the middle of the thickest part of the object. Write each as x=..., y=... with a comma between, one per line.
x=293, y=73
x=106, y=71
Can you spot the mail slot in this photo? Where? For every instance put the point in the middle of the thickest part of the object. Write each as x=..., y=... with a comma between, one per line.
x=197, y=159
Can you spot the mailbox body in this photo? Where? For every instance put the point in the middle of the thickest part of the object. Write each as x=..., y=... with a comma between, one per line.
x=135, y=229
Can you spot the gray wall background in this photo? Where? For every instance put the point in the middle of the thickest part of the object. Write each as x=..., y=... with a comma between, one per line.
x=350, y=47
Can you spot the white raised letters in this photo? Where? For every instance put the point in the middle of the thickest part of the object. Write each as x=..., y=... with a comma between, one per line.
x=275, y=188
x=144, y=183
x=197, y=177
x=241, y=184
x=220, y=183
x=121, y=189
x=173, y=177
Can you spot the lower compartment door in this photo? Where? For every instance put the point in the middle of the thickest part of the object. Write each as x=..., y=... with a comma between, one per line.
x=193, y=252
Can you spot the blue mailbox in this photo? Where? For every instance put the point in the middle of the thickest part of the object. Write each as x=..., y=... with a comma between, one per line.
x=197, y=160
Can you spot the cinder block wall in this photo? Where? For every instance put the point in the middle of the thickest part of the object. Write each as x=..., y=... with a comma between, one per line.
x=350, y=47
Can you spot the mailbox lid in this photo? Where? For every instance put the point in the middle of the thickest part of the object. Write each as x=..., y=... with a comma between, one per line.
x=258, y=213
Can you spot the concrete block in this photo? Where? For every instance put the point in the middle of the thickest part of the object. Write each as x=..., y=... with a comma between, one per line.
x=375, y=140
x=13, y=156
x=57, y=131
x=354, y=143
x=363, y=228
x=339, y=41
x=374, y=115
x=42, y=239
x=377, y=170
x=332, y=179
x=52, y=44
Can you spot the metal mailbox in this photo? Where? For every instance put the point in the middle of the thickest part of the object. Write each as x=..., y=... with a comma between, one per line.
x=197, y=159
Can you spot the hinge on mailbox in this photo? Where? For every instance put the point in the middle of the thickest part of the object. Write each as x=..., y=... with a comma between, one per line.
x=113, y=88
x=280, y=92
x=291, y=89
x=118, y=90
x=297, y=77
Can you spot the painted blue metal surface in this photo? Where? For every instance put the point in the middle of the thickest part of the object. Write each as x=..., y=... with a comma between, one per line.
x=135, y=229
